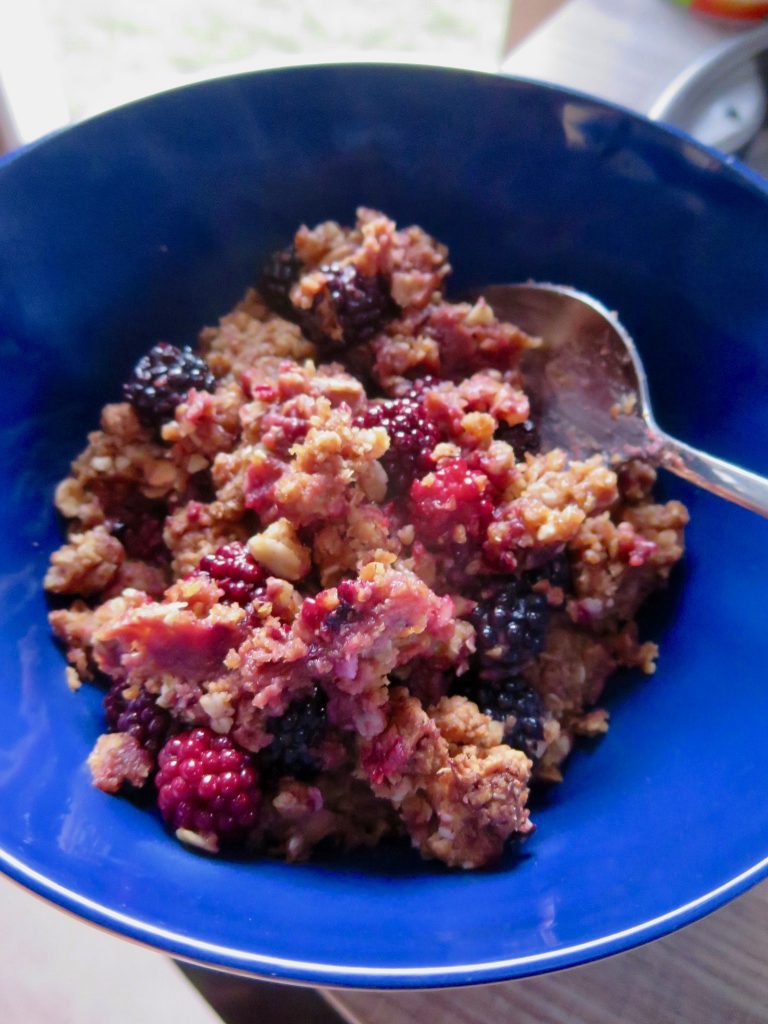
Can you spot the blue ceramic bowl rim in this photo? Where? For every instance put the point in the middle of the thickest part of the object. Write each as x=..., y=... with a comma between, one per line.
x=238, y=961
x=301, y=972
x=727, y=160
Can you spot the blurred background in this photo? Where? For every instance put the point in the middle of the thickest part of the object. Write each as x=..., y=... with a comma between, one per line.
x=64, y=60
x=148, y=41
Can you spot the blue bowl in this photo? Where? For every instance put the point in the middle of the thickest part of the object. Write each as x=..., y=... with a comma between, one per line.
x=146, y=223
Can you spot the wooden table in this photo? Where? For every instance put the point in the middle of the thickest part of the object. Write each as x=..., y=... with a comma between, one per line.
x=627, y=51
x=713, y=972
x=57, y=970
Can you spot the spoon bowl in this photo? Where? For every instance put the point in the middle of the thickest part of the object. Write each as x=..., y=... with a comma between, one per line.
x=591, y=391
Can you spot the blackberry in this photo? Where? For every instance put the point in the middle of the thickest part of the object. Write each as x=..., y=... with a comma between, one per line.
x=143, y=539
x=278, y=275
x=236, y=572
x=206, y=785
x=161, y=380
x=340, y=616
x=353, y=305
x=524, y=437
x=296, y=735
x=557, y=572
x=510, y=697
x=137, y=522
x=412, y=436
x=510, y=621
x=140, y=717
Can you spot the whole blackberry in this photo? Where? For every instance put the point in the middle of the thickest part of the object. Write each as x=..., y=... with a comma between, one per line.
x=161, y=380
x=510, y=621
x=511, y=697
x=236, y=572
x=206, y=785
x=524, y=437
x=277, y=277
x=296, y=734
x=412, y=436
x=140, y=717
x=360, y=305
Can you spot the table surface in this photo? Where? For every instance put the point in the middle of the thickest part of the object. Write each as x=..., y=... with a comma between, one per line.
x=56, y=969
x=627, y=51
x=712, y=972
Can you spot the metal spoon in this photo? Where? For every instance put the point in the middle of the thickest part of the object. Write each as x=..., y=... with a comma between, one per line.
x=591, y=392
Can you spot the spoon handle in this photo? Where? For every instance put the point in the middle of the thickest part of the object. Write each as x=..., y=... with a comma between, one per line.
x=716, y=475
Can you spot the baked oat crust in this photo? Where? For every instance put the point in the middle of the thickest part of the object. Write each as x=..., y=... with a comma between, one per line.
x=350, y=586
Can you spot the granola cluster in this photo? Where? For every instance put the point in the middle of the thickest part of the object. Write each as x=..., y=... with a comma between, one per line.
x=333, y=587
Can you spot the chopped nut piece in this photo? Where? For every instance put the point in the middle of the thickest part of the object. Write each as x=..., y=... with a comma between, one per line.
x=280, y=551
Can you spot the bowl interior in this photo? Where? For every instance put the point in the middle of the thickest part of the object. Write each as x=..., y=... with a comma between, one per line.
x=147, y=223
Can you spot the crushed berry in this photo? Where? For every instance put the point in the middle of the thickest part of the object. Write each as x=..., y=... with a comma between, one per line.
x=524, y=437
x=143, y=539
x=451, y=506
x=207, y=785
x=260, y=479
x=510, y=621
x=137, y=522
x=282, y=428
x=162, y=379
x=277, y=277
x=297, y=734
x=360, y=304
x=140, y=717
x=412, y=436
x=235, y=571
x=340, y=615
x=347, y=591
x=557, y=572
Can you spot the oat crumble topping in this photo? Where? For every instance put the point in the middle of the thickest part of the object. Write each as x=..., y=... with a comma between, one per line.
x=335, y=589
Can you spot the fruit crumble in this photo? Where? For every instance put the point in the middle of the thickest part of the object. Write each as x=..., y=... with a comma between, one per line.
x=332, y=585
